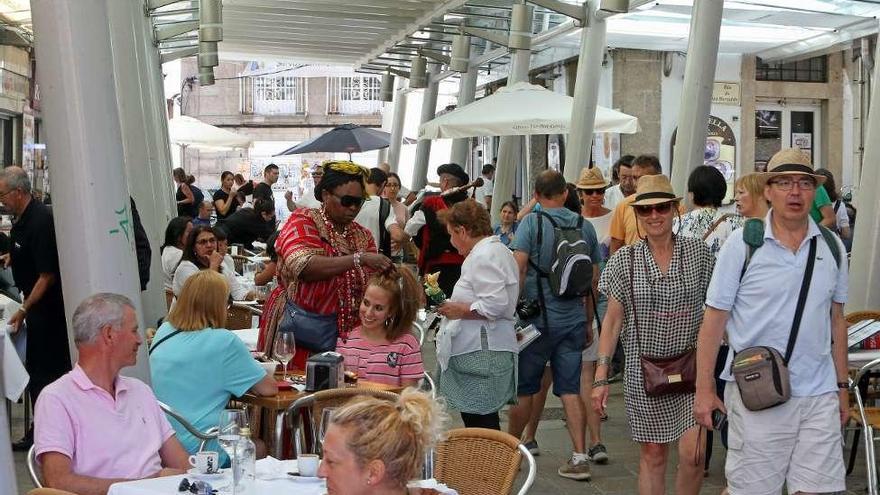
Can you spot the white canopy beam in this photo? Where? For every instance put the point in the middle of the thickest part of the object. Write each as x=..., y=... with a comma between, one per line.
x=423, y=147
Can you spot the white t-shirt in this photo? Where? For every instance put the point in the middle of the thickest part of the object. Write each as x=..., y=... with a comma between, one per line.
x=486, y=189
x=170, y=259
x=613, y=196
x=368, y=217
x=842, y=215
x=602, y=226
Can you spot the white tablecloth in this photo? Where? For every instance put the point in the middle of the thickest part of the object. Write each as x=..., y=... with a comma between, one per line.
x=283, y=484
x=857, y=359
x=15, y=377
x=249, y=336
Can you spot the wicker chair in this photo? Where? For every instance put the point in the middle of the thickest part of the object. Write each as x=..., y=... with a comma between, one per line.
x=872, y=413
x=477, y=461
x=857, y=316
x=33, y=467
x=301, y=416
x=239, y=316
x=203, y=436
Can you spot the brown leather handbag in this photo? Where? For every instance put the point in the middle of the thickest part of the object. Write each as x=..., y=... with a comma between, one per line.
x=663, y=375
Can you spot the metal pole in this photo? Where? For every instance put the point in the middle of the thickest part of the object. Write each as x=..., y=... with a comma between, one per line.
x=467, y=89
x=510, y=148
x=92, y=212
x=132, y=72
x=696, y=93
x=864, y=283
x=586, y=93
x=397, y=123
x=423, y=148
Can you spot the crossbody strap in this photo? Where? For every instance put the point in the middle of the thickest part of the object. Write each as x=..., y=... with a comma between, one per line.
x=632, y=295
x=716, y=224
x=161, y=341
x=802, y=300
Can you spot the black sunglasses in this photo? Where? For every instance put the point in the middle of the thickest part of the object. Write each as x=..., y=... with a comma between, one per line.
x=645, y=210
x=590, y=192
x=348, y=201
x=197, y=487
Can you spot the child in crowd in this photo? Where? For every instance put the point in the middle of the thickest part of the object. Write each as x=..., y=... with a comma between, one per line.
x=382, y=349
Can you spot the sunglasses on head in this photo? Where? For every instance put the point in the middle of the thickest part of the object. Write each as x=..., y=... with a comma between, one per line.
x=645, y=210
x=348, y=201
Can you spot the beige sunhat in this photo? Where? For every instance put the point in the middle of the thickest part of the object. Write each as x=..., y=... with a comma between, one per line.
x=592, y=178
x=654, y=189
x=792, y=161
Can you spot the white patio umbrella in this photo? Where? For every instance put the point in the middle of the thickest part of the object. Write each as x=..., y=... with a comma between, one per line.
x=519, y=110
x=189, y=131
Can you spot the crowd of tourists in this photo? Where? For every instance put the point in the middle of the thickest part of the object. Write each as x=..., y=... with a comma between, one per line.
x=621, y=278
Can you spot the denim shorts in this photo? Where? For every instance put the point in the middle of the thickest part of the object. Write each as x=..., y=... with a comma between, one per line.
x=562, y=347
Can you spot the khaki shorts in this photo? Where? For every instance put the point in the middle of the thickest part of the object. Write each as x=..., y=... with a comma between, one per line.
x=797, y=444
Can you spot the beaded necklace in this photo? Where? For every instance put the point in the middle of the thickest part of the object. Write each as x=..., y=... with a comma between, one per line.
x=352, y=282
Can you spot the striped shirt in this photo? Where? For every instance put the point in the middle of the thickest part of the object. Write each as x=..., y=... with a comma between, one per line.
x=389, y=364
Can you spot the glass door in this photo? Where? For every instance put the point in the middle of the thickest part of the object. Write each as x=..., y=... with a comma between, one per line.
x=789, y=126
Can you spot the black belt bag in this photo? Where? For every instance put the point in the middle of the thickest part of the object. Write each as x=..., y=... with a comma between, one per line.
x=761, y=373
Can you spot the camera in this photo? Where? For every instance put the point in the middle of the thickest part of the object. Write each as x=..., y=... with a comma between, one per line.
x=526, y=309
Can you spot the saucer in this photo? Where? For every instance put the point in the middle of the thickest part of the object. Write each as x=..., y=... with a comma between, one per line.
x=206, y=476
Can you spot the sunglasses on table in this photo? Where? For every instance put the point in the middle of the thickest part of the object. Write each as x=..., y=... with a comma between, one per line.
x=645, y=210
x=348, y=201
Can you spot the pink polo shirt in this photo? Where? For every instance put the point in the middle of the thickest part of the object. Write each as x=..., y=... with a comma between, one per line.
x=104, y=437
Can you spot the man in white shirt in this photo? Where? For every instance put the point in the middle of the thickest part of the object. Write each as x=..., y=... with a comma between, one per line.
x=626, y=185
x=308, y=199
x=372, y=215
x=796, y=443
x=484, y=193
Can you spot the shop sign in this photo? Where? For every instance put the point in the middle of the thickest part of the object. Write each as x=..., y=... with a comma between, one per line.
x=726, y=93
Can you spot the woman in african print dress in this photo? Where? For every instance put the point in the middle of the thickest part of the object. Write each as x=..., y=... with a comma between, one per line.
x=324, y=258
x=656, y=291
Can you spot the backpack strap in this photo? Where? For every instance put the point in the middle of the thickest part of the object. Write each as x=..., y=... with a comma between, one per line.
x=831, y=240
x=540, y=215
x=753, y=236
x=384, y=235
x=161, y=341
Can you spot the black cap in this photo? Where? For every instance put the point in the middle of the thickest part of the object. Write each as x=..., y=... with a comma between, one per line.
x=455, y=170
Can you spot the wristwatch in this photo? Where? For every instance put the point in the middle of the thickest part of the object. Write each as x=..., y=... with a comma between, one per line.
x=843, y=385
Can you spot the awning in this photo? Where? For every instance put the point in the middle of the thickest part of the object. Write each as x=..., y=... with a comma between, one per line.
x=189, y=131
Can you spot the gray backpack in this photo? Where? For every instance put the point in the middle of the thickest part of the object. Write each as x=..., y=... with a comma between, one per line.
x=571, y=268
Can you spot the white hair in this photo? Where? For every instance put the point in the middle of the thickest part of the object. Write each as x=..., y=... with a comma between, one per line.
x=16, y=178
x=96, y=312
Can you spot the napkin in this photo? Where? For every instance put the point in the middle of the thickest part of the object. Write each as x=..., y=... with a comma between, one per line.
x=271, y=468
x=432, y=484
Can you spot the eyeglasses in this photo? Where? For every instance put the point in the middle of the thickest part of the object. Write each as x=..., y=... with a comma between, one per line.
x=645, y=210
x=203, y=242
x=392, y=185
x=198, y=487
x=348, y=201
x=590, y=192
x=804, y=184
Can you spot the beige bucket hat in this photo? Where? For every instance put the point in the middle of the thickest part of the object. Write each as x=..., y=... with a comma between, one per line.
x=592, y=178
x=654, y=189
x=792, y=161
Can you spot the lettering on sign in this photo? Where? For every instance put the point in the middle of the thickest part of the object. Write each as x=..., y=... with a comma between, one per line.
x=726, y=93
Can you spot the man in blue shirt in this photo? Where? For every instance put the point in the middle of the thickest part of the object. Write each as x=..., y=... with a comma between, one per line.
x=563, y=324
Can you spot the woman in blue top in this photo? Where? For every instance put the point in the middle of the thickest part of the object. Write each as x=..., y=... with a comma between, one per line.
x=197, y=366
x=507, y=228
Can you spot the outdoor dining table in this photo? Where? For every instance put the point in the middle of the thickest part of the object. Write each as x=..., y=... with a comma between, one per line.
x=268, y=481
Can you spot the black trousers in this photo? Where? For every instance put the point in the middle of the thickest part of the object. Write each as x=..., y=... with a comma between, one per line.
x=489, y=421
x=48, y=355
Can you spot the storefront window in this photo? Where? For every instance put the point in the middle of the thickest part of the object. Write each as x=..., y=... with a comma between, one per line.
x=810, y=70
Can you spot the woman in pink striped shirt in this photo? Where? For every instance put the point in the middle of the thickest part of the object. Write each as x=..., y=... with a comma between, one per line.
x=383, y=348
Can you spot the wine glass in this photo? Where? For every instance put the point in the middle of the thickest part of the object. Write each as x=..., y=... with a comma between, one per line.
x=230, y=423
x=284, y=349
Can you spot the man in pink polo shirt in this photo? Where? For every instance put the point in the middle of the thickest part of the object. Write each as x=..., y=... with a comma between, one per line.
x=93, y=427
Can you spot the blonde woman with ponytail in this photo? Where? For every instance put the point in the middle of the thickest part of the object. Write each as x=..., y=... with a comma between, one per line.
x=382, y=348
x=375, y=447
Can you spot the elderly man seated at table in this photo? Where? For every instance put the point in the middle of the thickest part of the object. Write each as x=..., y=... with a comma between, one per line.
x=94, y=427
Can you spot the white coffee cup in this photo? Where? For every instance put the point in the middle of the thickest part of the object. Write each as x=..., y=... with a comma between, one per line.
x=206, y=462
x=308, y=464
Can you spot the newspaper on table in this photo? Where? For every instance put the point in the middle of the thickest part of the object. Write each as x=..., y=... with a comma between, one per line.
x=861, y=331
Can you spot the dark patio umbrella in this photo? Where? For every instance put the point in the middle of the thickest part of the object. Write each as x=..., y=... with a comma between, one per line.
x=347, y=138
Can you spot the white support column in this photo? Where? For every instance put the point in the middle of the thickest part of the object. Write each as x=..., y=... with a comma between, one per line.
x=466, y=91
x=132, y=70
x=696, y=93
x=397, y=123
x=586, y=93
x=423, y=148
x=864, y=280
x=510, y=156
x=89, y=185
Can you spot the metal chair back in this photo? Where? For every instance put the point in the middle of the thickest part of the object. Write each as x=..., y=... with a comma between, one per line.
x=203, y=436
x=302, y=417
x=33, y=467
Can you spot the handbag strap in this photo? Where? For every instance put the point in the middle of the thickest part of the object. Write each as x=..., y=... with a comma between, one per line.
x=632, y=295
x=162, y=340
x=715, y=225
x=802, y=300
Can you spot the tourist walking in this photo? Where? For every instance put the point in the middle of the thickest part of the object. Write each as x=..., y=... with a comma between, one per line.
x=749, y=195
x=656, y=289
x=707, y=188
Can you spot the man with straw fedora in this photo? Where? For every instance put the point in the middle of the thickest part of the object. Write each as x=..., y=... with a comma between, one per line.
x=761, y=284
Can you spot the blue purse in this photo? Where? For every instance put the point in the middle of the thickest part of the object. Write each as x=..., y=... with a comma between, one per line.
x=312, y=331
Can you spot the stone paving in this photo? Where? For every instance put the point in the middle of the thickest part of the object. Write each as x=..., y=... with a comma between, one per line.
x=618, y=477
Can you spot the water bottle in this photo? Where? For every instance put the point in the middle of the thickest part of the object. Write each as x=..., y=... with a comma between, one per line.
x=244, y=464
